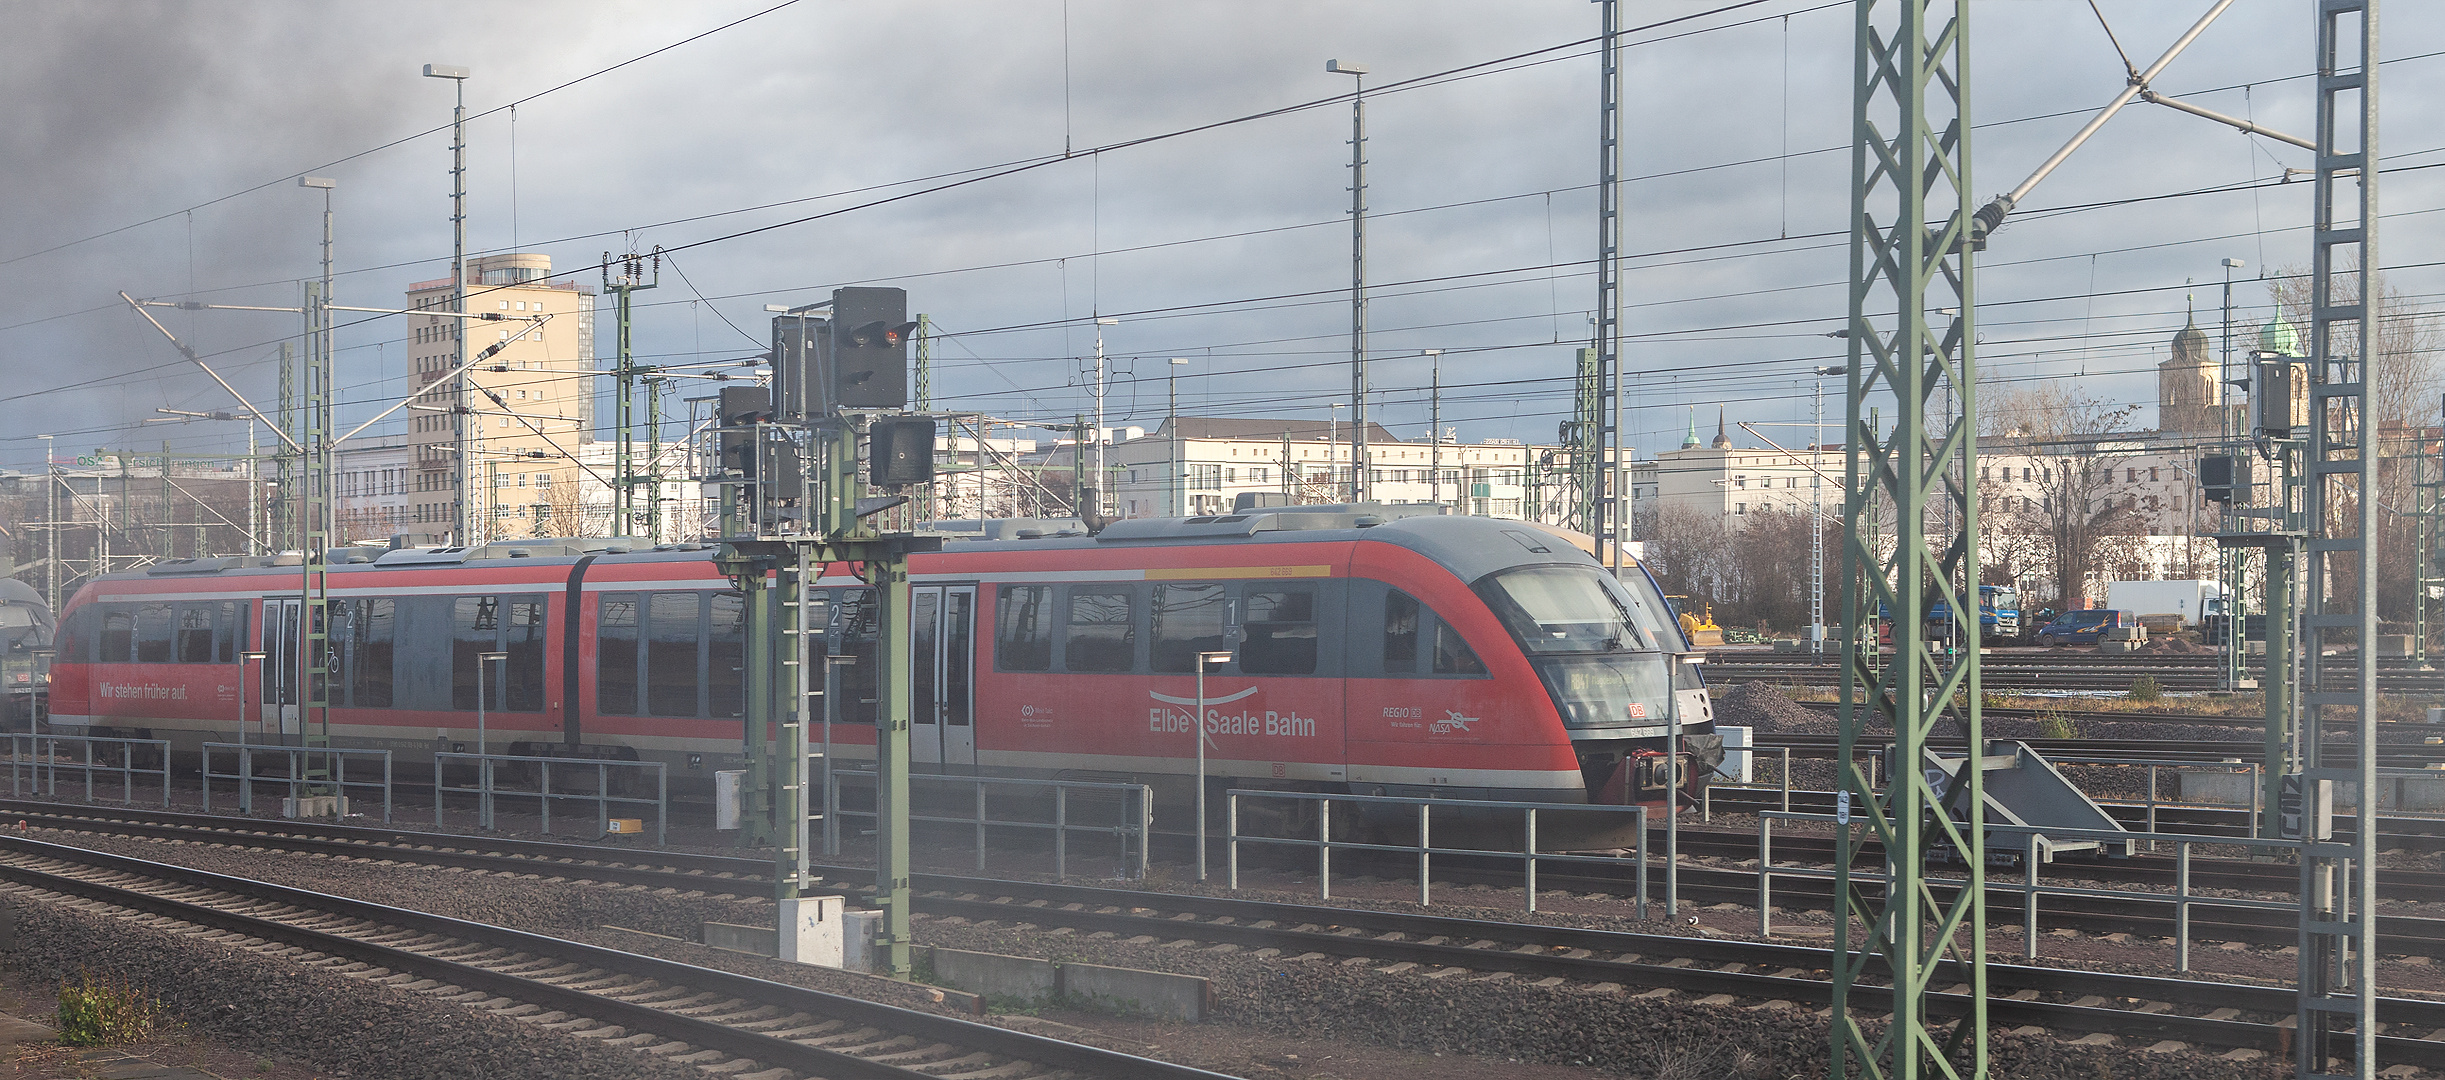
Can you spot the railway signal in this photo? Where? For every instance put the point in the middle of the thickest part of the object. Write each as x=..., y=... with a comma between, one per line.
x=869, y=346
x=2216, y=478
x=902, y=452
x=831, y=375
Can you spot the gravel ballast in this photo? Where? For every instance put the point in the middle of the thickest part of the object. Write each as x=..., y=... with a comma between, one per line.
x=349, y=1027
x=1262, y=1001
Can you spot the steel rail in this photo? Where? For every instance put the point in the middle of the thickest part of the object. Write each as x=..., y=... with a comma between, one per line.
x=1064, y=905
x=1247, y=919
x=733, y=1041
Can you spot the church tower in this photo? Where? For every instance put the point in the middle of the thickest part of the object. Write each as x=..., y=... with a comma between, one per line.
x=2187, y=389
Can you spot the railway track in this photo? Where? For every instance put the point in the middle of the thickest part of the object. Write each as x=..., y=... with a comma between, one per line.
x=2018, y=669
x=2060, y=1000
x=723, y=1022
x=2396, y=834
x=2203, y=1014
x=2245, y=727
x=2391, y=754
x=717, y=874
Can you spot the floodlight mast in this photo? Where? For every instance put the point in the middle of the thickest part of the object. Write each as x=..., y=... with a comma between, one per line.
x=458, y=76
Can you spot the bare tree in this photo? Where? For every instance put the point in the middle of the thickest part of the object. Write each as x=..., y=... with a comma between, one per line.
x=2057, y=452
x=1689, y=552
x=567, y=513
x=2403, y=403
x=1769, y=563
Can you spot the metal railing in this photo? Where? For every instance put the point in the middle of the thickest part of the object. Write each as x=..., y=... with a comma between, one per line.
x=1424, y=849
x=2181, y=899
x=298, y=776
x=2153, y=800
x=1706, y=798
x=1132, y=825
x=34, y=760
x=1871, y=765
x=546, y=791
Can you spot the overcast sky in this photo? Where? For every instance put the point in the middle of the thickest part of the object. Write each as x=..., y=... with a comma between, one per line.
x=153, y=148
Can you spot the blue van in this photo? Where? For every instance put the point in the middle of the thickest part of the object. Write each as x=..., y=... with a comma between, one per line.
x=2084, y=627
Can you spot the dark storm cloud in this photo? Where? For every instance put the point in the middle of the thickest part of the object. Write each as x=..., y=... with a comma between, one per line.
x=119, y=112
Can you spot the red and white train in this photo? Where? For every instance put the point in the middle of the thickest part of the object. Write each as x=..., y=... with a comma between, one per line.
x=1455, y=656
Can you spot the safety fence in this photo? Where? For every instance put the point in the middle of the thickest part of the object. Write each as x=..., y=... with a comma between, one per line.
x=301, y=771
x=2155, y=796
x=2024, y=841
x=1124, y=812
x=547, y=788
x=35, y=762
x=1424, y=849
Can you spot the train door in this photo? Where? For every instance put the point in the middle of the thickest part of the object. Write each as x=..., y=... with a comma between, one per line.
x=942, y=649
x=281, y=664
x=958, y=664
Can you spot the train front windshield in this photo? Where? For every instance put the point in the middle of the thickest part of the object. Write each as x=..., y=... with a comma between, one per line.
x=1598, y=648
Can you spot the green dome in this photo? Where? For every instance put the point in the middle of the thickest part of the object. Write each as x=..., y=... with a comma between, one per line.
x=2279, y=337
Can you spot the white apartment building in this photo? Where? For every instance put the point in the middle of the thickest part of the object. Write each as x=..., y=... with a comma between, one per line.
x=1194, y=465
x=373, y=490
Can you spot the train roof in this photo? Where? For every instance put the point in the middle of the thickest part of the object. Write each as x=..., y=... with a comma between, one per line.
x=1471, y=547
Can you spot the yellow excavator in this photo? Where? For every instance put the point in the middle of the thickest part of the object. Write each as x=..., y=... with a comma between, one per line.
x=1698, y=626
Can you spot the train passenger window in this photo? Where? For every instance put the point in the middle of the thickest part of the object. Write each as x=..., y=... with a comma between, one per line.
x=1453, y=655
x=1023, y=618
x=850, y=632
x=1400, y=633
x=675, y=628
x=153, y=633
x=1188, y=619
x=194, y=637
x=726, y=657
x=1103, y=630
x=615, y=650
x=1281, y=633
x=372, y=645
x=231, y=639
x=118, y=634
x=522, y=639
x=475, y=629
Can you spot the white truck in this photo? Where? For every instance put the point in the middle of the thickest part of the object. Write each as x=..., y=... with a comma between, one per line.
x=2158, y=602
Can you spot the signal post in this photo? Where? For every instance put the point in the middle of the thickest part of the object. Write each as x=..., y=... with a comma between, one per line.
x=827, y=372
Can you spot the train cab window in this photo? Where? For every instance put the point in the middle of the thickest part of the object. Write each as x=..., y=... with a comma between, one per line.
x=726, y=657
x=1400, y=633
x=1188, y=619
x=1023, y=628
x=1453, y=655
x=372, y=643
x=153, y=633
x=1281, y=633
x=194, y=635
x=76, y=634
x=675, y=625
x=1103, y=630
x=615, y=648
